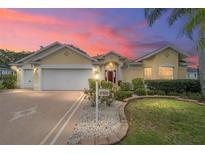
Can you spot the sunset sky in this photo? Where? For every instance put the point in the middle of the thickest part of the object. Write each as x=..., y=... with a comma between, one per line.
x=94, y=30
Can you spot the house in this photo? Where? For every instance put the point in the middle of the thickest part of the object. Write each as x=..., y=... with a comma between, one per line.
x=66, y=67
x=5, y=70
x=192, y=73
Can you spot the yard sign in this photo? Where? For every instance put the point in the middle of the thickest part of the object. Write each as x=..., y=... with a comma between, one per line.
x=104, y=92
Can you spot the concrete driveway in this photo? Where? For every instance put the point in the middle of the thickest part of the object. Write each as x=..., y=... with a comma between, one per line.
x=38, y=117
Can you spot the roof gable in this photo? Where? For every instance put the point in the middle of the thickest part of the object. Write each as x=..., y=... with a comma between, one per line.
x=109, y=53
x=62, y=47
x=27, y=58
x=158, y=51
x=50, y=49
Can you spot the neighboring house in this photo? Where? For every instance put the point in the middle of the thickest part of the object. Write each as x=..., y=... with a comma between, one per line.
x=4, y=70
x=192, y=73
x=65, y=67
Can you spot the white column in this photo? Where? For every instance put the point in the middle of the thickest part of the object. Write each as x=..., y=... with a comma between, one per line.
x=22, y=78
x=103, y=72
x=40, y=77
x=120, y=71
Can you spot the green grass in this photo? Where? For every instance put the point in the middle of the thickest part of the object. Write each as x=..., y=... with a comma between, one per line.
x=165, y=121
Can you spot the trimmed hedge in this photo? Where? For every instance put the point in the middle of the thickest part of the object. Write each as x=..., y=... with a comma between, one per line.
x=106, y=84
x=140, y=91
x=1, y=86
x=176, y=86
x=121, y=95
x=137, y=83
x=151, y=92
x=8, y=81
x=92, y=84
x=125, y=86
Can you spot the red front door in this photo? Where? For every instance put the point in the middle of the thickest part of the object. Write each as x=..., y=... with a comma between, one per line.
x=110, y=76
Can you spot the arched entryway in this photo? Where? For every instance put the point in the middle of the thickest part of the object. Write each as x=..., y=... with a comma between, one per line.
x=111, y=72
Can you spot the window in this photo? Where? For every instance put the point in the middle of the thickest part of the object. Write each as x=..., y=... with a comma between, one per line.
x=165, y=72
x=148, y=73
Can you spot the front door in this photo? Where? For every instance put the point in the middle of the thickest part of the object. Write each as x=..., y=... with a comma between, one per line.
x=111, y=76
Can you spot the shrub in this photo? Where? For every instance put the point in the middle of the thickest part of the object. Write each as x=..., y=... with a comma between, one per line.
x=121, y=95
x=151, y=92
x=125, y=86
x=172, y=93
x=106, y=84
x=137, y=83
x=9, y=81
x=119, y=82
x=140, y=91
x=90, y=95
x=92, y=84
x=195, y=96
x=178, y=86
x=108, y=99
x=160, y=92
x=1, y=86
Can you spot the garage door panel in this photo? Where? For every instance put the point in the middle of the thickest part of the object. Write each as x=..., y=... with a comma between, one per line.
x=65, y=79
x=28, y=78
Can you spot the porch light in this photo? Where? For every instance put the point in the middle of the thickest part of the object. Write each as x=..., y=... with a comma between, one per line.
x=111, y=64
x=97, y=75
x=35, y=69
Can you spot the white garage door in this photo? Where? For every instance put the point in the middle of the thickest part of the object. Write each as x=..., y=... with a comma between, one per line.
x=28, y=78
x=65, y=79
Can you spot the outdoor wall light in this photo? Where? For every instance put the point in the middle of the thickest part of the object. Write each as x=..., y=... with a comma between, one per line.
x=35, y=69
x=111, y=64
x=97, y=75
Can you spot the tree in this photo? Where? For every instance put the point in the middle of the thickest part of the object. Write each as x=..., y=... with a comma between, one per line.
x=7, y=56
x=195, y=22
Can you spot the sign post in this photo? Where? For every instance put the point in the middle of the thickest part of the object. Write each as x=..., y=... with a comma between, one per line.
x=96, y=112
x=96, y=96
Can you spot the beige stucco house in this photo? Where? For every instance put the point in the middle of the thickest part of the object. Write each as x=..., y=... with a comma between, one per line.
x=65, y=67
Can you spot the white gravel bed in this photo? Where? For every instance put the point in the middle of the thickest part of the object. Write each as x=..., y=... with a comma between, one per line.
x=87, y=127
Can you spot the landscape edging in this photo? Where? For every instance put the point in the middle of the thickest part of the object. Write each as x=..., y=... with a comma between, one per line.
x=168, y=97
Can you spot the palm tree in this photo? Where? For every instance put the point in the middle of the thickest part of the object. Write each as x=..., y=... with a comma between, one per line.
x=195, y=22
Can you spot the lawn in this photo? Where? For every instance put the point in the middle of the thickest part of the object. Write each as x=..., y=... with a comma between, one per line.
x=165, y=121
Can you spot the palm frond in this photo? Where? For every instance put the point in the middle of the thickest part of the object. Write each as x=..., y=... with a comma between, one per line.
x=153, y=14
x=200, y=45
x=177, y=14
x=196, y=20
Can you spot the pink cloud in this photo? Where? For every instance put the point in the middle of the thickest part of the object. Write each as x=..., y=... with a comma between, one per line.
x=193, y=61
x=24, y=31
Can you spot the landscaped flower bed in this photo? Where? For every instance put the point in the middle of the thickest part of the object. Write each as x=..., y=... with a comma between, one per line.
x=87, y=128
